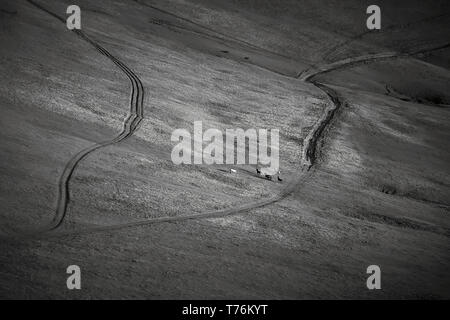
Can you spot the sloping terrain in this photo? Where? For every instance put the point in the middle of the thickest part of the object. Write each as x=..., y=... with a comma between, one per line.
x=377, y=192
x=174, y=98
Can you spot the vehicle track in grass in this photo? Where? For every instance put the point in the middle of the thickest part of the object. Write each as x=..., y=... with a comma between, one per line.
x=334, y=50
x=307, y=169
x=310, y=146
x=130, y=125
x=309, y=74
x=309, y=154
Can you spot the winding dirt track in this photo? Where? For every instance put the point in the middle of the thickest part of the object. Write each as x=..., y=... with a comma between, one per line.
x=310, y=150
x=334, y=50
x=308, y=155
x=307, y=75
x=130, y=125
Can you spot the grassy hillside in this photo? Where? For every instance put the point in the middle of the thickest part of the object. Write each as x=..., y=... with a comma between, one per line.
x=377, y=194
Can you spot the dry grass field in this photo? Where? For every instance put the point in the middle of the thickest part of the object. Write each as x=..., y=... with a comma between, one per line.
x=142, y=227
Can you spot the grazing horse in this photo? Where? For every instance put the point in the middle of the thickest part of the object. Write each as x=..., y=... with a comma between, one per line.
x=268, y=173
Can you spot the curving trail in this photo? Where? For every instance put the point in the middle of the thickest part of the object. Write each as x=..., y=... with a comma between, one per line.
x=310, y=148
x=334, y=50
x=307, y=161
x=202, y=215
x=130, y=126
x=308, y=74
